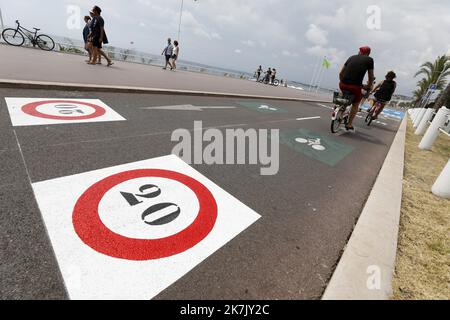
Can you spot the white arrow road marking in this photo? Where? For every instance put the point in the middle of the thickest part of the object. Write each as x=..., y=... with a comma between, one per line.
x=185, y=107
x=310, y=118
x=264, y=107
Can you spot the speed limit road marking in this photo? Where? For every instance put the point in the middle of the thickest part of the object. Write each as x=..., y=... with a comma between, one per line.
x=34, y=111
x=129, y=232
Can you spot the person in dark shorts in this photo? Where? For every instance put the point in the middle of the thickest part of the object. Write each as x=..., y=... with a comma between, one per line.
x=351, y=80
x=258, y=73
x=98, y=36
x=268, y=76
x=168, y=52
x=384, y=91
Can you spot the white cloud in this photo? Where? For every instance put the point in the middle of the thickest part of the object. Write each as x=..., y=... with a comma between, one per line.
x=215, y=35
x=238, y=51
x=248, y=43
x=287, y=53
x=316, y=35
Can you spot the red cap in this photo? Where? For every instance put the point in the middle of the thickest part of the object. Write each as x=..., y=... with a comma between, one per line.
x=365, y=50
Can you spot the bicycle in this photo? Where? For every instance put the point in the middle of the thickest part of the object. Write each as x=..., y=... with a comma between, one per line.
x=374, y=110
x=16, y=37
x=341, y=114
x=275, y=82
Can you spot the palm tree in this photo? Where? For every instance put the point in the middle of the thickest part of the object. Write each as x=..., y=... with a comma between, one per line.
x=444, y=99
x=422, y=87
x=434, y=73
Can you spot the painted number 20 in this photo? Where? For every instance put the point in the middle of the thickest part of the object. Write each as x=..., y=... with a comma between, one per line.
x=68, y=109
x=158, y=214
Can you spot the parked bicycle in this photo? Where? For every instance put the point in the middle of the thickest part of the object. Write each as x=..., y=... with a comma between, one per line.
x=16, y=37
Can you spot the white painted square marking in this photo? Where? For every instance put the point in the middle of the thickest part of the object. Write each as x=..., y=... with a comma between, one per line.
x=129, y=232
x=40, y=111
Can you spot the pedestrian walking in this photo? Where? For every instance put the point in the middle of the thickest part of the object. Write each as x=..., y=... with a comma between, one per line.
x=258, y=73
x=98, y=37
x=86, y=31
x=168, y=52
x=175, y=55
x=89, y=41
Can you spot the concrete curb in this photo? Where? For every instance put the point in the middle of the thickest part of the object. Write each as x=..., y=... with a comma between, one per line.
x=366, y=268
x=27, y=84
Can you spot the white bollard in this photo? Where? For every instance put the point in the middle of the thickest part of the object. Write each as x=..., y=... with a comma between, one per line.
x=433, y=131
x=419, y=118
x=424, y=123
x=442, y=186
x=416, y=114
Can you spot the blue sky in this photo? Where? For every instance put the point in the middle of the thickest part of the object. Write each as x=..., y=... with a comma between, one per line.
x=289, y=35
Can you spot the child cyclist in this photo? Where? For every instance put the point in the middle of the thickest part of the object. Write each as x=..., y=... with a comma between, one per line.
x=384, y=91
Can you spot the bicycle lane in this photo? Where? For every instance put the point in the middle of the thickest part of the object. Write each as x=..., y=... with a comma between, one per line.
x=309, y=209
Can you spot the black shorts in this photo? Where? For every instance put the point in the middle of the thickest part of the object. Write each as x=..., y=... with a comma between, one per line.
x=382, y=98
x=97, y=43
x=168, y=58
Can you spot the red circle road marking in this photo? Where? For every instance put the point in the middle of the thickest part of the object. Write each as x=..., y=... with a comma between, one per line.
x=94, y=233
x=31, y=109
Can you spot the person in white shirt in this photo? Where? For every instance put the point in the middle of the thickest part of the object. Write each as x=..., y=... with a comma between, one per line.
x=175, y=55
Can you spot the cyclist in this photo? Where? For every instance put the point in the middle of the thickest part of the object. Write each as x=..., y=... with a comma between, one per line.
x=351, y=80
x=384, y=91
x=274, y=75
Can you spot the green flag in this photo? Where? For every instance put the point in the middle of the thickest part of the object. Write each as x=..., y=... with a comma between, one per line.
x=326, y=63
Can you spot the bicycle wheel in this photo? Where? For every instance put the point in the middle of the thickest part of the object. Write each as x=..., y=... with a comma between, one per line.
x=335, y=124
x=369, y=119
x=276, y=82
x=45, y=42
x=13, y=37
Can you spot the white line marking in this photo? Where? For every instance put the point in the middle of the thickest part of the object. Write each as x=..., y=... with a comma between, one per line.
x=324, y=106
x=185, y=107
x=23, y=158
x=309, y=118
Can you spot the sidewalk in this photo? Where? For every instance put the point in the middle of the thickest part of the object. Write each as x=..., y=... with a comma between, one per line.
x=36, y=65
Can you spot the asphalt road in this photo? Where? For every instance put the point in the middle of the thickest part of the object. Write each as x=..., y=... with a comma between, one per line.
x=308, y=209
